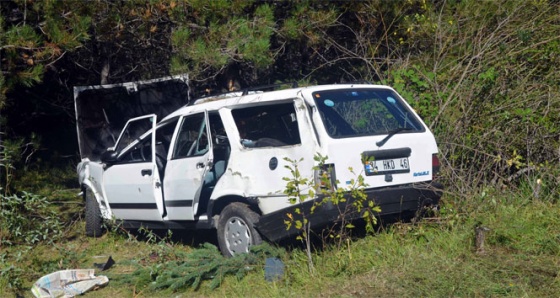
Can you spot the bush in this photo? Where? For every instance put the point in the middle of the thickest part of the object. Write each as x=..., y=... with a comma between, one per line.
x=28, y=219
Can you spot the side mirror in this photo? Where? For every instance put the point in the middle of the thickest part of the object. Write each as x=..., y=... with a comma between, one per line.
x=109, y=156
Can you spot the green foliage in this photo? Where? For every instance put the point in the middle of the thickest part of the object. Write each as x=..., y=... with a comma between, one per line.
x=67, y=35
x=3, y=90
x=414, y=85
x=51, y=29
x=301, y=189
x=224, y=40
x=521, y=253
x=484, y=87
x=21, y=37
x=28, y=219
x=31, y=76
x=20, y=171
x=11, y=277
x=10, y=151
x=203, y=264
x=307, y=23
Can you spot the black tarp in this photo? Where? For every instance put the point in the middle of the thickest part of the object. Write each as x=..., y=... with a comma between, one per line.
x=103, y=110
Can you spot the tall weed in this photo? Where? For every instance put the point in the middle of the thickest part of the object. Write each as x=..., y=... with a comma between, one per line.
x=28, y=219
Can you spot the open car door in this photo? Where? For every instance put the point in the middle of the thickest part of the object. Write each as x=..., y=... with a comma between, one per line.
x=190, y=162
x=131, y=183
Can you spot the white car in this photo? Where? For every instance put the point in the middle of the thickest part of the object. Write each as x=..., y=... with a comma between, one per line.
x=219, y=162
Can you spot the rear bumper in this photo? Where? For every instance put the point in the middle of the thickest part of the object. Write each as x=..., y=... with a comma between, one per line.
x=393, y=201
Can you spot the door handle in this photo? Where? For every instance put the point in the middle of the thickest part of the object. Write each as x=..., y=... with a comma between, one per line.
x=146, y=172
x=200, y=165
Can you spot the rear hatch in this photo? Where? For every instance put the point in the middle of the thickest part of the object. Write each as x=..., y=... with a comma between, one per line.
x=103, y=110
x=374, y=133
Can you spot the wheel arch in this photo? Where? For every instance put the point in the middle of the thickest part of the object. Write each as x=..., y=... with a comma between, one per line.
x=216, y=206
x=105, y=209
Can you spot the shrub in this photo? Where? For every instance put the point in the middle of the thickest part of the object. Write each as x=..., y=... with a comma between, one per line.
x=28, y=219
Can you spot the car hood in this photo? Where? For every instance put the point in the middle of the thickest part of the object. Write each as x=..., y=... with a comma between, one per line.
x=103, y=110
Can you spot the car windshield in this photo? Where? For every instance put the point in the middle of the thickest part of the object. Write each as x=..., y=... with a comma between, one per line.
x=363, y=112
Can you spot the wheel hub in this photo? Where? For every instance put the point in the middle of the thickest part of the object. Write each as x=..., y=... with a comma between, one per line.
x=238, y=236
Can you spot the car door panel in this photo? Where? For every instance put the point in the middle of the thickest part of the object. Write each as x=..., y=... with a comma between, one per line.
x=185, y=172
x=132, y=185
x=131, y=190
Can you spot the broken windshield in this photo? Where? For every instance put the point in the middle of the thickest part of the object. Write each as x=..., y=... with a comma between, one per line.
x=363, y=112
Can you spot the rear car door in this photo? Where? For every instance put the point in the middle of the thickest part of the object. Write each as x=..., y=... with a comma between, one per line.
x=185, y=171
x=132, y=184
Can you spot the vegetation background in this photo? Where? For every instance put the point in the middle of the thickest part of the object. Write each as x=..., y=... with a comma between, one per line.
x=483, y=75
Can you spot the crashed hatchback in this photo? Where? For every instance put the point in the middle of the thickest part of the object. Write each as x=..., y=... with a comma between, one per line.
x=219, y=162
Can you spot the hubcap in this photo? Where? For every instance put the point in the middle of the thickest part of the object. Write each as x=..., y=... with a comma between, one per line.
x=237, y=235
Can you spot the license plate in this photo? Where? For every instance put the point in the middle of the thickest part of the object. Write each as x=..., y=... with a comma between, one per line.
x=387, y=166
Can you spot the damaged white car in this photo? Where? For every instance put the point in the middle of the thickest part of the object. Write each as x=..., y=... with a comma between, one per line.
x=218, y=163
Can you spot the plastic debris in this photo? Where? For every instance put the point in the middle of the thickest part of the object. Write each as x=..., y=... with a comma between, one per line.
x=104, y=266
x=273, y=269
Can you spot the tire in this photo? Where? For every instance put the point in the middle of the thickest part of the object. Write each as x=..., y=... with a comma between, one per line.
x=93, y=216
x=236, y=231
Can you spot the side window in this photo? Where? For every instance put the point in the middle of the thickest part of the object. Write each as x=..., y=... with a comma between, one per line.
x=272, y=125
x=133, y=131
x=142, y=152
x=192, y=139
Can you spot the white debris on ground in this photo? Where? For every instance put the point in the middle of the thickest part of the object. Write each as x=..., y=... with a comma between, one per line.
x=68, y=283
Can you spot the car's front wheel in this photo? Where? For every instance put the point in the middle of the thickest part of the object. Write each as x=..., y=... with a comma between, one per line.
x=236, y=231
x=94, y=221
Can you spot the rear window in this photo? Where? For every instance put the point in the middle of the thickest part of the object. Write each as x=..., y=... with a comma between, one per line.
x=364, y=112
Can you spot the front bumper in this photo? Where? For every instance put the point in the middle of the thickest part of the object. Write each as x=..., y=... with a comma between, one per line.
x=393, y=201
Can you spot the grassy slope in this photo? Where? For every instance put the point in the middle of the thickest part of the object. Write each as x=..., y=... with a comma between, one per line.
x=434, y=258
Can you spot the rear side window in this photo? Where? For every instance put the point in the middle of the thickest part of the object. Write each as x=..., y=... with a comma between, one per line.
x=363, y=112
x=272, y=125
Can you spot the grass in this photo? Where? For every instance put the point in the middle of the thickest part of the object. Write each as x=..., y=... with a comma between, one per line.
x=433, y=258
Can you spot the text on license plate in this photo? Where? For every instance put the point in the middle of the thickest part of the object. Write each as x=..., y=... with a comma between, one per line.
x=387, y=166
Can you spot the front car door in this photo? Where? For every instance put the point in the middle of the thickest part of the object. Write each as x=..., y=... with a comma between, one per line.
x=191, y=159
x=132, y=184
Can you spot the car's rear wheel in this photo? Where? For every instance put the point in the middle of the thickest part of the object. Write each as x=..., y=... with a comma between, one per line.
x=236, y=231
x=94, y=221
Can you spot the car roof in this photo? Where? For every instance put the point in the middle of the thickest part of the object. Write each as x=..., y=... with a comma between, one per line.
x=233, y=99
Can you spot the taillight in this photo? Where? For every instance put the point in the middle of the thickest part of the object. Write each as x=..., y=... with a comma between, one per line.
x=435, y=165
x=325, y=178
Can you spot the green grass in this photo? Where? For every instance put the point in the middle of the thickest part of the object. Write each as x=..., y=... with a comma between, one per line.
x=434, y=258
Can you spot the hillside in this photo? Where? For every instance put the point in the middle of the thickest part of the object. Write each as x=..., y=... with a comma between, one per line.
x=482, y=74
